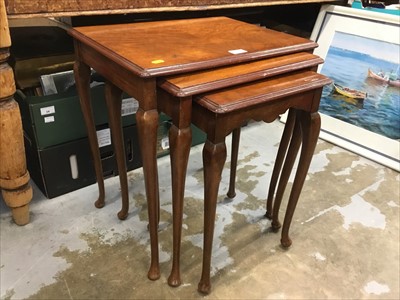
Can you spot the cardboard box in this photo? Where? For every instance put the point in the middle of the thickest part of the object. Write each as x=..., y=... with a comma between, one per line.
x=67, y=167
x=57, y=119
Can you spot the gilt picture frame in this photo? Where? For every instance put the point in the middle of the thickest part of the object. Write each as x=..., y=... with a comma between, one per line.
x=361, y=110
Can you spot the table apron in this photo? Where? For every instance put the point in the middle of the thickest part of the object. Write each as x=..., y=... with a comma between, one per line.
x=138, y=87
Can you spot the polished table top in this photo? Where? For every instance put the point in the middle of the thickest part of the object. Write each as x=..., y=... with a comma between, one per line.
x=202, y=81
x=151, y=49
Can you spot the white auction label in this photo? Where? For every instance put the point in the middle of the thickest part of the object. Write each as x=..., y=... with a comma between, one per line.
x=165, y=143
x=104, y=137
x=47, y=110
x=129, y=106
x=49, y=119
x=237, y=51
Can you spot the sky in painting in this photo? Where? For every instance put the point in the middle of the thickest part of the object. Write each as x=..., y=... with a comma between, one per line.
x=379, y=49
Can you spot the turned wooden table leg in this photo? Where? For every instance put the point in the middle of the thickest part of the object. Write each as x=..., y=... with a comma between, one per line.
x=291, y=155
x=180, y=139
x=113, y=97
x=82, y=79
x=147, y=124
x=310, y=127
x=214, y=156
x=283, y=146
x=234, y=158
x=14, y=177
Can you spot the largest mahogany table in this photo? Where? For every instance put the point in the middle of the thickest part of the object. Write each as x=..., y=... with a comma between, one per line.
x=132, y=56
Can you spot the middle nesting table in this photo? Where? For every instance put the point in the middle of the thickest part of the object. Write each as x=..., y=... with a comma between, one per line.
x=131, y=57
x=175, y=99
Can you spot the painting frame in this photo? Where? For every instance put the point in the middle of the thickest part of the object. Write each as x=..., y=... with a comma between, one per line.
x=332, y=19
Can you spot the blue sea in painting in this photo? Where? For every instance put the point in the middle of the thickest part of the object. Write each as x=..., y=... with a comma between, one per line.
x=379, y=112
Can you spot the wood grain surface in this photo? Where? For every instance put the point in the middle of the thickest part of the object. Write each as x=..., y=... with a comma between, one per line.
x=29, y=8
x=178, y=46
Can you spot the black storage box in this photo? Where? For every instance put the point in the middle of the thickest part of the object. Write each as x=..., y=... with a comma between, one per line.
x=67, y=167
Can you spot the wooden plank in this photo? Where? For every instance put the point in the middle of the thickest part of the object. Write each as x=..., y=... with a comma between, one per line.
x=55, y=8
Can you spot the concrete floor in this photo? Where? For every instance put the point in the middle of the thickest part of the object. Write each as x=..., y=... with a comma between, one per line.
x=345, y=235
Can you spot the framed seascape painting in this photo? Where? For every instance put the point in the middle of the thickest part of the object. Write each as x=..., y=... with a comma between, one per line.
x=360, y=111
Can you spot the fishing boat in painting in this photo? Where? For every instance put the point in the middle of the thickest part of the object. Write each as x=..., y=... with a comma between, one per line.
x=348, y=92
x=394, y=82
x=384, y=78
